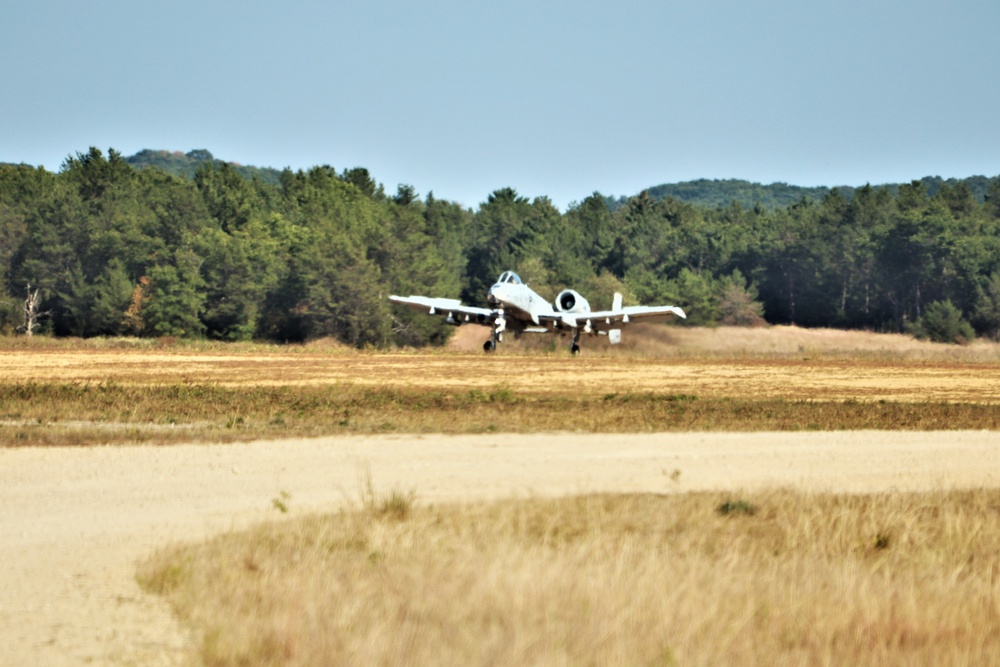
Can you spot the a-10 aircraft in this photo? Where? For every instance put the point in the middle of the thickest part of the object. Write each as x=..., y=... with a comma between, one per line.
x=517, y=308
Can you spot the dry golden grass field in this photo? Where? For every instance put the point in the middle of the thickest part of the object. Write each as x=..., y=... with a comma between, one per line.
x=662, y=379
x=694, y=497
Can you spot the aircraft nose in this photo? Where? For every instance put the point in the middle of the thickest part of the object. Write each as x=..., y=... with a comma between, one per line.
x=496, y=295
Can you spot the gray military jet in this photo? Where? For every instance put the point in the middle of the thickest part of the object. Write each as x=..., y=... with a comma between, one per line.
x=517, y=308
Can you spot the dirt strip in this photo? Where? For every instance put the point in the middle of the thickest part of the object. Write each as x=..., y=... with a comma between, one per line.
x=74, y=522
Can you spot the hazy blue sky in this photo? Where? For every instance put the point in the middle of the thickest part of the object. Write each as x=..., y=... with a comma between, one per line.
x=553, y=98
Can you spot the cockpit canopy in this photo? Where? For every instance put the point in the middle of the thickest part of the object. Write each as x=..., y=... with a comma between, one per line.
x=509, y=277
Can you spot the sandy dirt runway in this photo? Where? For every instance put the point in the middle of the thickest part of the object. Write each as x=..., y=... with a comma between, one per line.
x=75, y=522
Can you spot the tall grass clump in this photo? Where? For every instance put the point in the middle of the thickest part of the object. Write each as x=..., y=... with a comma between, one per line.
x=804, y=579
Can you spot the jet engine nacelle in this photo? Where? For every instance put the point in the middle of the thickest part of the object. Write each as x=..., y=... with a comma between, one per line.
x=570, y=301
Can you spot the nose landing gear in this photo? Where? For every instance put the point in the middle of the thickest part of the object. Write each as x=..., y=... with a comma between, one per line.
x=498, y=328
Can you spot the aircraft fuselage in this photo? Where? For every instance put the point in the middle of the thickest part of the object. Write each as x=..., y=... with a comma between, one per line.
x=520, y=301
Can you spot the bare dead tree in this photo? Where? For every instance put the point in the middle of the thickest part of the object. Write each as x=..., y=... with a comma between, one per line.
x=31, y=313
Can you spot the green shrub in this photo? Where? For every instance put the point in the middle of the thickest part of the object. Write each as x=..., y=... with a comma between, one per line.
x=735, y=507
x=942, y=322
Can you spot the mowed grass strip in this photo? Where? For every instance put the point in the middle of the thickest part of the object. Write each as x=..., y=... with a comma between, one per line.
x=767, y=578
x=108, y=413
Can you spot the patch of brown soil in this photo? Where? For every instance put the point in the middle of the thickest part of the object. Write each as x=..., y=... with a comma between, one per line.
x=670, y=341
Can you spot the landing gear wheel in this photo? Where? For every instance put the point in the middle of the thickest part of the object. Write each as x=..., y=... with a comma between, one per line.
x=575, y=349
x=489, y=346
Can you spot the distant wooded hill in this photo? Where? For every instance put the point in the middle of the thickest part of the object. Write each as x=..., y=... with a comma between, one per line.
x=722, y=193
x=185, y=164
x=703, y=192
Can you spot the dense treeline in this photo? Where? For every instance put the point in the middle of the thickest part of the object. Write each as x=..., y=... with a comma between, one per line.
x=112, y=250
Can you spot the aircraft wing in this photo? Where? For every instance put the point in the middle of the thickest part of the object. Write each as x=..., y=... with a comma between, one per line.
x=450, y=308
x=605, y=320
